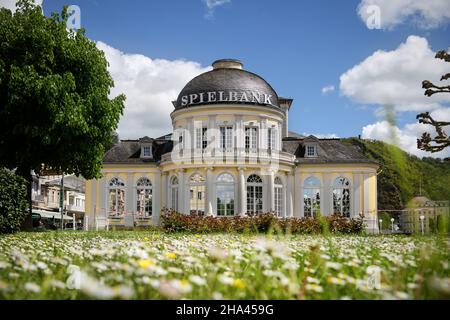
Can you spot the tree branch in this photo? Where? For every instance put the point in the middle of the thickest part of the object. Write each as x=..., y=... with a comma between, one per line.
x=440, y=141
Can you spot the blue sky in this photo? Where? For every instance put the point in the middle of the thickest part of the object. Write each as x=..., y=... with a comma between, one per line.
x=299, y=47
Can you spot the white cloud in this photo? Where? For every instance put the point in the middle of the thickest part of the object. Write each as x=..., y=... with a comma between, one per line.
x=395, y=77
x=11, y=4
x=328, y=89
x=406, y=137
x=426, y=14
x=150, y=86
x=211, y=5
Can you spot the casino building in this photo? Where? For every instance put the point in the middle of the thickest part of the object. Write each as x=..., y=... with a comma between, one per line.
x=230, y=152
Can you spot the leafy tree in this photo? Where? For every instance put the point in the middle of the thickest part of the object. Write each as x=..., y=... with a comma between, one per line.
x=13, y=201
x=55, y=110
x=441, y=140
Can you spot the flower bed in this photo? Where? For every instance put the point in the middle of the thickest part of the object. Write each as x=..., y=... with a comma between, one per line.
x=172, y=221
x=155, y=265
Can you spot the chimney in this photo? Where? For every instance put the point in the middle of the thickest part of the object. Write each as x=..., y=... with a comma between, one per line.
x=285, y=105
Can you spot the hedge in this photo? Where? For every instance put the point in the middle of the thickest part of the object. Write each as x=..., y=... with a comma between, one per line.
x=172, y=221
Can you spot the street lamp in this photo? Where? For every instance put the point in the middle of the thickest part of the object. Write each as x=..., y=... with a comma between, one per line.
x=422, y=219
x=392, y=224
x=380, y=226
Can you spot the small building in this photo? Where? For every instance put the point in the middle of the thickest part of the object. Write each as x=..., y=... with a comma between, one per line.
x=431, y=211
x=46, y=195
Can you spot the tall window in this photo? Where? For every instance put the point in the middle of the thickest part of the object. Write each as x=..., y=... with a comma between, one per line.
x=197, y=189
x=278, y=193
x=226, y=137
x=341, y=197
x=144, y=197
x=174, y=193
x=271, y=139
x=201, y=138
x=254, y=194
x=311, y=197
x=116, y=197
x=251, y=138
x=225, y=195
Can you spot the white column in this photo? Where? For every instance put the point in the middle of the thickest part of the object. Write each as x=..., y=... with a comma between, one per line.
x=266, y=194
x=164, y=190
x=356, y=194
x=366, y=194
x=376, y=192
x=103, y=210
x=263, y=134
x=129, y=197
x=212, y=139
x=242, y=192
x=156, y=198
x=240, y=135
x=327, y=197
x=271, y=190
x=189, y=138
x=289, y=199
x=213, y=191
x=285, y=124
x=209, y=209
x=181, y=192
x=298, y=195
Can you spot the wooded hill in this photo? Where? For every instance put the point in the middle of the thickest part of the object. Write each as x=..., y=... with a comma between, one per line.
x=404, y=176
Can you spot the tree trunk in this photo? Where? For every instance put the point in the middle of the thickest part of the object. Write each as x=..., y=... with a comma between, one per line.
x=27, y=224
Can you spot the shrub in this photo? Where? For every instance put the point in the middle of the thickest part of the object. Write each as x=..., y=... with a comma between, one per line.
x=341, y=224
x=172, y=221
x=13, y=201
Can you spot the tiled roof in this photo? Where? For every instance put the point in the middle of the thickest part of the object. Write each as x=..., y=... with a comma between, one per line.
x=129, y=151
x=328, y=151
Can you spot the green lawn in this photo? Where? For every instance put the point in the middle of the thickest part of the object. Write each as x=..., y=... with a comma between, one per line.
x=154, y=265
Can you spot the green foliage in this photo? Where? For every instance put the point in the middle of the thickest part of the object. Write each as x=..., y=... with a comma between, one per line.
x=13, y=201
x=172, y=221
x=386, y=220
x=54, y=88
x=403, y=175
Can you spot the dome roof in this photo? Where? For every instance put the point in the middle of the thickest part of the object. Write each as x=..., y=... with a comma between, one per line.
x=227, y=83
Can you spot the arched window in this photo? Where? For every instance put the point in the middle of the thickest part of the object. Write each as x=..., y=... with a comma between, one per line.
x=144, y=197
x=174, y=193
x=311, y=197
x=341, y=196
x=116, y=197
x=254, y=194
x=278, y=194
x=197, y=194
x=225, y=195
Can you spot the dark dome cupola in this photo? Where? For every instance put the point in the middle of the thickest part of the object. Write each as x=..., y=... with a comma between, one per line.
x=227, y=83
